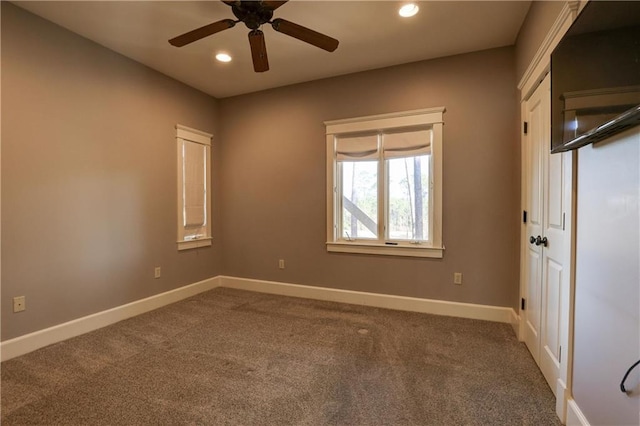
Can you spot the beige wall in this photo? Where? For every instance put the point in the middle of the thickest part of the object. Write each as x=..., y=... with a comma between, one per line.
x=88, y=176
x=537, y=23
x=273, y=171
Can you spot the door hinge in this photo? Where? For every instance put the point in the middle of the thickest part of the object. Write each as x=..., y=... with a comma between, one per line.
x=560, y=354
x=563, y=217
x=525, y=127
x=524, y=216
x=522, y=304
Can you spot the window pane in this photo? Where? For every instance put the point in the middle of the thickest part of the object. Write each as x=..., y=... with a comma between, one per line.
x=194, y=169
x=359, y=199
x=409, y=198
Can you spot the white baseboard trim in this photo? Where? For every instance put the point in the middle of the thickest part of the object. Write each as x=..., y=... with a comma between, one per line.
x=402, y=303
x=39, y=339
x=574, y=415
x=48, y=336
x=562, y=400
x=515, y=323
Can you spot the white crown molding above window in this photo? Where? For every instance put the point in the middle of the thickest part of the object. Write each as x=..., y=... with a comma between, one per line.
x=418, y=117
x=193, y=135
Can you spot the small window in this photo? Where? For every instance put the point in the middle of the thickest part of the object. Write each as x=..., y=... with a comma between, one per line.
x=194, y=203
x=384, y=184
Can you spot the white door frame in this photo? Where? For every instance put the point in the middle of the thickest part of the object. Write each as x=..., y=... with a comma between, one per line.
x=534, y=74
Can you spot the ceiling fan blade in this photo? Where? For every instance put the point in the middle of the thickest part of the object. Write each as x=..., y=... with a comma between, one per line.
x=305, y=34
x=258, y=51
x=202, y=32
x=273, y=5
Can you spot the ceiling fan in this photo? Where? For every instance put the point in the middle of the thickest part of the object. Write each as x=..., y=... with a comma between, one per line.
x=255, y=13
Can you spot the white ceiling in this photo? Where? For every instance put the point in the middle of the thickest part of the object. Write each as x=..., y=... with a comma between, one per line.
x=371, y=35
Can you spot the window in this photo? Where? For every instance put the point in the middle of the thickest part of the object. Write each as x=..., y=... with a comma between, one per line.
x=384, y=184
x=194, y=170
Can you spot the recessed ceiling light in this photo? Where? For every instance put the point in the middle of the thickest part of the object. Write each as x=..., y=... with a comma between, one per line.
x=408, y=10
x=223, y=57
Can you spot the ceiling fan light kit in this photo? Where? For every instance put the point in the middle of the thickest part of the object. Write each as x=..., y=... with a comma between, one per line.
x=254, y=14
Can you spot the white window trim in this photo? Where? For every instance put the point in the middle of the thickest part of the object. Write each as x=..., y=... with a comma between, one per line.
x=184, y=133
x=431, y=117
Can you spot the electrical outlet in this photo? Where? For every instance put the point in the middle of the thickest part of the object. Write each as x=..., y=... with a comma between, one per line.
x=281, y=263
x=457, y=277
x=19, y=304
x=157, y=272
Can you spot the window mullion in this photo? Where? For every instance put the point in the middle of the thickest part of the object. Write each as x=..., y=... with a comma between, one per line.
x=337, y=194
x=382, y=185
x=432, y=190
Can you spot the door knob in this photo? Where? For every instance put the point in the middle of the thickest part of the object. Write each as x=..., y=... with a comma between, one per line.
x=532, y=240
x=539, y=241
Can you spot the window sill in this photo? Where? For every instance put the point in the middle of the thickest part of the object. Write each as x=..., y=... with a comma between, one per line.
x=191, y=244
x=385, y=250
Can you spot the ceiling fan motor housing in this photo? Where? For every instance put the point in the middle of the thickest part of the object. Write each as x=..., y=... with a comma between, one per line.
x=252, y=13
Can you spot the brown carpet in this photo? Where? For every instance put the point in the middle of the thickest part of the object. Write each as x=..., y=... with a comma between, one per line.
x=235, y=357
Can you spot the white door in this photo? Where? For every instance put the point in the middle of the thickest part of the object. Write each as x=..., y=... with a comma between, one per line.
x=537, y=108
x=544, y=265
